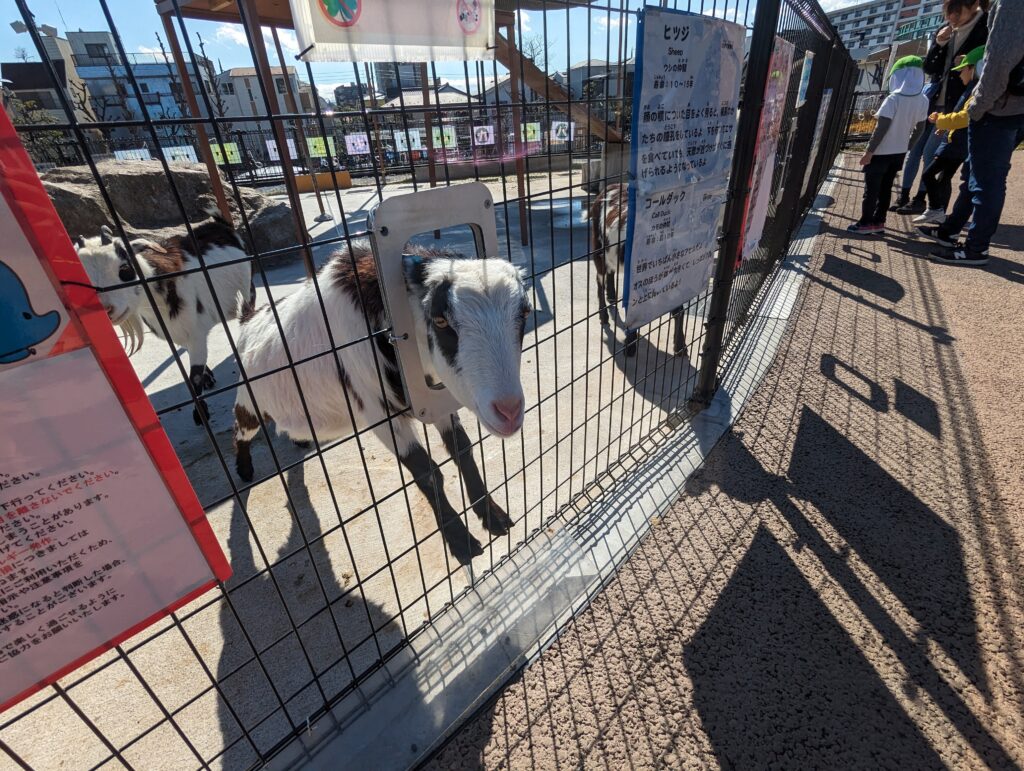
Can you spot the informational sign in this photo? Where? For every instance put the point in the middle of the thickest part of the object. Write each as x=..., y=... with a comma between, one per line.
x=412, y=140
x=483, y=135
x=450, y=142
x=101, y=533
x=140, y=154
x=394, y=30
x=229, y=151
x=180, y=154
x=562, y=131
x=805, y=79
x=819, y=129
x=318, y=149
x=357, y=144
x=530, y=132
x=275, y=155
x=767, y=143
x=686, y=93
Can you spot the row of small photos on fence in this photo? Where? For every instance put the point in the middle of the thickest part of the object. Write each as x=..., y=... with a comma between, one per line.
x=355, y=144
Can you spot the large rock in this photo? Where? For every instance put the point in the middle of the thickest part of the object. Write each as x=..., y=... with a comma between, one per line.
x=146, y=205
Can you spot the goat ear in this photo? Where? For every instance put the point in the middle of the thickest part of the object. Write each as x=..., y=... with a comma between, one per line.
x=415, y=269
x=106, y=236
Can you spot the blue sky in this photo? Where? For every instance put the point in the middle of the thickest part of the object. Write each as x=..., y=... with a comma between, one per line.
x=138, y=22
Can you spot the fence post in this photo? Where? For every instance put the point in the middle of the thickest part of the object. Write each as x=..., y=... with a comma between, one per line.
x=766, y=20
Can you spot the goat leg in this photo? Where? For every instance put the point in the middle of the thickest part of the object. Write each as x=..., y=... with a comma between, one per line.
x=459, y=447
x=197, y=378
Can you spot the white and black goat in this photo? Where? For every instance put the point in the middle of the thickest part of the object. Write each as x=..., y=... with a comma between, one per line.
x=183, y=301
x=607, y=217
x=470, y=319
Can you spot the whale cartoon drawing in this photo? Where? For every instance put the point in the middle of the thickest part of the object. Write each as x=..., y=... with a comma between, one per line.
x=20, y=326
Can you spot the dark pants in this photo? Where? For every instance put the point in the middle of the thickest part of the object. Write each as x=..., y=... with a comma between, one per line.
x=938, y=181
x=963, y=207
x=990, y=144
x=878, y=178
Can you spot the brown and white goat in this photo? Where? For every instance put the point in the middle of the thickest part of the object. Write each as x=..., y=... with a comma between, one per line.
x=471, y=316
x=607, y=217
x=184, y=301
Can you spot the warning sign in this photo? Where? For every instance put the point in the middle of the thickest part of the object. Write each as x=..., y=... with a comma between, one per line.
x=101, y=533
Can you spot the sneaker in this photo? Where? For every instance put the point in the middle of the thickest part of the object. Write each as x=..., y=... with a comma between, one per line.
x=959, y=255
x=931, y=217
x=914, y=207
x=864, y=227
x=932, y=233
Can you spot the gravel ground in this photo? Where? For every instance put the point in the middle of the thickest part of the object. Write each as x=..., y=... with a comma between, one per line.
x=841, y=584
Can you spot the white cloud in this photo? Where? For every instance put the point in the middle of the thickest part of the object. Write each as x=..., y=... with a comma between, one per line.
x=155, y=51
x=231, y=33
x=289, y=44
x=604, y=22
x=523, y=22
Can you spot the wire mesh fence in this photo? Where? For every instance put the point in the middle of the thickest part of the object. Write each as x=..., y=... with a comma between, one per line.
x=341, y=545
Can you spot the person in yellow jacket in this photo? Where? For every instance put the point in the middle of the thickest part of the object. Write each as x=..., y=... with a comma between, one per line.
x=930, y=225
x=937, y=179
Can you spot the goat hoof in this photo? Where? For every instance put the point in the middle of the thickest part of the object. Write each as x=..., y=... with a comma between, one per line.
x=304, y=444
x=630, y=348
x=493, y=517
x=604, y=317
x=209, y=381
x=200, y=412
x=463, y=545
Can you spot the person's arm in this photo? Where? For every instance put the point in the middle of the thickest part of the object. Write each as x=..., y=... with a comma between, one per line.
x=935, y=59
x=919, y=130
x=1002, y=52
x=881, y=129
x=951, y=121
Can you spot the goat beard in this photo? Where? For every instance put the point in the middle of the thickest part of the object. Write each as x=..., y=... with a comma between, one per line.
x=132, y=333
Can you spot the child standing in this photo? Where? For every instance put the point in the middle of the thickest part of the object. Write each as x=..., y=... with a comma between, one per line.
x=901, y=115
x=938, y=177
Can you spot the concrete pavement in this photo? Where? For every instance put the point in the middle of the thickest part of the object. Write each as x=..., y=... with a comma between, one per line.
x=842, y=585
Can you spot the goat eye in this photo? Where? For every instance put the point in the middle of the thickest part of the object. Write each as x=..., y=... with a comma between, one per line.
x=440, y=322
x=126, y=272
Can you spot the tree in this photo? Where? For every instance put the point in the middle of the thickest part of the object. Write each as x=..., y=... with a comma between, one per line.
x=537, y=48
x=220, y=107
x=21, y=54
x=43, y=145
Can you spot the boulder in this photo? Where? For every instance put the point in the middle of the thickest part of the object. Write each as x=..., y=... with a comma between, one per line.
x=145, y=202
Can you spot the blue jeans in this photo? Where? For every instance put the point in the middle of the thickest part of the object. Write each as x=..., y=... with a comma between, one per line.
x=990, y=143
x=924, y=148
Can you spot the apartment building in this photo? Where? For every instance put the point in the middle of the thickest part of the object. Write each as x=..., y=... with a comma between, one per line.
x=867, y=27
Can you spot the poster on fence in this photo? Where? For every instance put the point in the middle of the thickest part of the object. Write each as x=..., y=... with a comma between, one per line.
x=180, y=154
x=318, y=148
x=83, y=563
x=394, y=30
x=768, y=131
x=685, y=97
x=274, y=155
x=805, y=79
x=819, y=128
x=483, y=135
x=406, y=141
x=450, y=142
x=140, y=154
x=230, y=151
x=562, y=131
x=357, y=144
x=530, y=132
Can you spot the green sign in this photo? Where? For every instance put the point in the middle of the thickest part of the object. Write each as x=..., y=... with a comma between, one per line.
x=450, y=142
x=317, y=148
x=919, y=27
x=230, y=151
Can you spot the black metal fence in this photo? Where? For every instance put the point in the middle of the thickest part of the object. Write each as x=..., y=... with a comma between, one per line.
x=338, y=560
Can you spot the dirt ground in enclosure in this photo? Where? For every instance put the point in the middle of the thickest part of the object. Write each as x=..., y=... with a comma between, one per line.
x=842, y=585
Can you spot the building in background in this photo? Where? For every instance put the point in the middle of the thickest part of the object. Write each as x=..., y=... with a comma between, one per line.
x=349, y=95
x=392, y=77
x=867, y=27
x=241, y=96
x=30, y=82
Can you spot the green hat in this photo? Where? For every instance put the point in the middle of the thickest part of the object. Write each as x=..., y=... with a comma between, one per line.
x=906, y=61
x=971, y=58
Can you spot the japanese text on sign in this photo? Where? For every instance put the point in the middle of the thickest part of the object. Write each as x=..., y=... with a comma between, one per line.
x=685, y=99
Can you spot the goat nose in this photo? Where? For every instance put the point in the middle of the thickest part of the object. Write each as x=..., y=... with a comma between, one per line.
x=509, y=408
